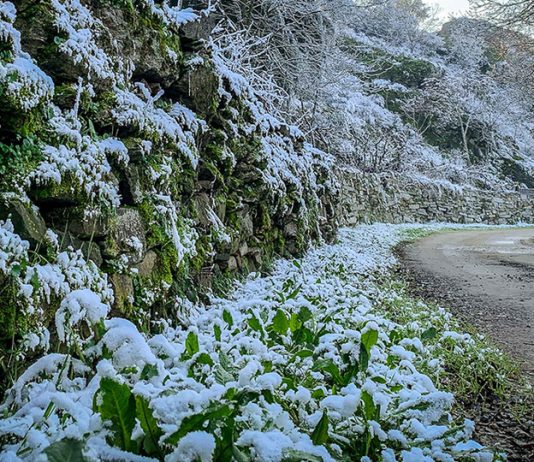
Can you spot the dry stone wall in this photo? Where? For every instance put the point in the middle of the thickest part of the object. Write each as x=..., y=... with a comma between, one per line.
x=390, y=198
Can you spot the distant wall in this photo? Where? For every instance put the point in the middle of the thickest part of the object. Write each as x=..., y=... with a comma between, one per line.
x=366, y=198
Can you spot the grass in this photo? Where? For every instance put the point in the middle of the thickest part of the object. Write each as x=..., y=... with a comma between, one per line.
x=480, y=372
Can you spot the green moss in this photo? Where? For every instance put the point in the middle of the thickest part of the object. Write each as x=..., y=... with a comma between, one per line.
x=12, y=324
x=17, y=160
x=69, y=190
x=156, y=235
x=204, y=248
x=166, y=265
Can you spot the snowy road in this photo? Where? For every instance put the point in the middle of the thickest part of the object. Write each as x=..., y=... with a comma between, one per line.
x=487, y=277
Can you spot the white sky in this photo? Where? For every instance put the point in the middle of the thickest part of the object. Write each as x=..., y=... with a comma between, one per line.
x=450, y=7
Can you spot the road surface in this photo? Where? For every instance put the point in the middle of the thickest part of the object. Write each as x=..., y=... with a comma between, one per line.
x=487, y=277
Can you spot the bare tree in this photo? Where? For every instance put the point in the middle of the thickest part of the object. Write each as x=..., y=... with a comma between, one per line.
x=511, y=13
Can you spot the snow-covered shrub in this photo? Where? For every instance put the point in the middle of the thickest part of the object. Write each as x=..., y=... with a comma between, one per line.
x=21, y=81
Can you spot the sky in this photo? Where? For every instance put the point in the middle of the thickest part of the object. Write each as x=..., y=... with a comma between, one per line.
x=450, y=7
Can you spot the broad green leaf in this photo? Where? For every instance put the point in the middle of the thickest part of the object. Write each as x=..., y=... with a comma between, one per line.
x=222, y=376
x=191, y=344
x=150, y=427
x=197, y=422
x=149, y=371
x=227, y=317
x=239, y=455
x=217, y=331
x=267, y=366
x=15, y=270
x=204, y=358
x=65, y=450
x=294, y=322
x=320, y=433
x=280, y=323
x=289, y=382
x=304, y=353
x=369, y=339
x=294, y=293
x=305, y=314
x=224, y=372
x=255, y=324
x=326, y=365
x=118, y=406
x=364, y=358
x=225, y=441
x=305, y=336
x=429, y=334
x=294, y=455
x=369, y=407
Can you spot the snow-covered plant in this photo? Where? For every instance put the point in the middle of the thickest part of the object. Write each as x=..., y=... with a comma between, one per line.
x=79, y=158
x=81, y=29
x=175, y=126
x=25, y=84
x=287, y=165
x=308, y=363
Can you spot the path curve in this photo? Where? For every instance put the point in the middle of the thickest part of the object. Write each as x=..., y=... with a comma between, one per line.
x=487, y=277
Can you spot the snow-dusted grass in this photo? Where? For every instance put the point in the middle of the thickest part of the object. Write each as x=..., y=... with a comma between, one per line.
x=318, y=361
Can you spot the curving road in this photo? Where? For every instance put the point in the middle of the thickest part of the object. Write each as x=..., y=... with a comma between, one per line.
x=487, y=276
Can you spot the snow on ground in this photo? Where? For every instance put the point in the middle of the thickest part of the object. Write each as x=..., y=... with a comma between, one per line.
x=304, y=364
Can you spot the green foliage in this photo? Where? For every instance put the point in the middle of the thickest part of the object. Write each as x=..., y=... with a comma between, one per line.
x=368, y=341
x=118, y=406
x=66, y=450
x=149, y=424
x=280, y=323
x=200, y=421
x=320, y=433
x=18, y=159
x=191, y=345
x=481, y=372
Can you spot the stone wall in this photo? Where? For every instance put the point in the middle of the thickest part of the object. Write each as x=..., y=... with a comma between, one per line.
x=156, y=170
x=366, y=198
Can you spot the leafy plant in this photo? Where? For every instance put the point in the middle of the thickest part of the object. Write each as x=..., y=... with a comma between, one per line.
x=118, y=406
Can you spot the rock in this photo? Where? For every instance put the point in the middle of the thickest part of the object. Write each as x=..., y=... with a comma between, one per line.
x=146, y=267
x=291, y=229
x=220, y=210
x=243, y=249
x=132, y=189
x=127, y=235
x=222, y=257
x=203, y=205
x=26, y=219
x=87, y=227
x=141, y=43
x=123, y=289
x=232, y=264
x=90, y=249
x=247, y=224
x=201, y=84
x=206, y=277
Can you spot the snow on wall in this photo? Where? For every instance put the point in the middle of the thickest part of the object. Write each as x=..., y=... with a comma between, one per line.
x=365, y=198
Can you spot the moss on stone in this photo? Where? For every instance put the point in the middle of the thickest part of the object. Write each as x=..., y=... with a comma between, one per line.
x=17, y=160
x=69, y=191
